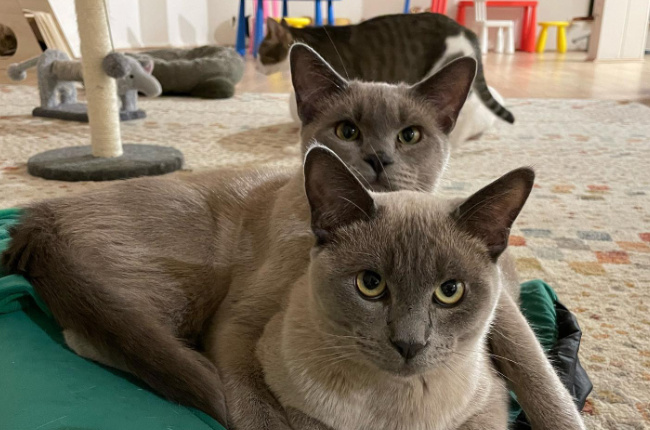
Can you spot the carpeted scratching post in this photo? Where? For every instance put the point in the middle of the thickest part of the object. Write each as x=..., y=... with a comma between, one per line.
x=106, y=158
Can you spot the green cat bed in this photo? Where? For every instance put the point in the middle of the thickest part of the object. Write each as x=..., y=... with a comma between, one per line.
x=46, y=386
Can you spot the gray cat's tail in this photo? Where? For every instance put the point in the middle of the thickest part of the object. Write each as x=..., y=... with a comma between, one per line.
x=111, y=323
x=18, y=71
x=481, y=86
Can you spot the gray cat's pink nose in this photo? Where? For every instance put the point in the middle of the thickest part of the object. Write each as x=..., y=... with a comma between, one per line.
x=408, y=350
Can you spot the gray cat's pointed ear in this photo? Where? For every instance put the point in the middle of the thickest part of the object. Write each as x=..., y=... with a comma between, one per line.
x=314, y=81
x=447, y=90
x=336, y=197
x=490, y=212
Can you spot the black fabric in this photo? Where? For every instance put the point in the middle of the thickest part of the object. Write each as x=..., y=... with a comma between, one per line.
x=565, y=360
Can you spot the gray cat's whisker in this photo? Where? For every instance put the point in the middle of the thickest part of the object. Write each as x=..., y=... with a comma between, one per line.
x=360, y=176
x=355, y=205
x=347, y=76
x=499, y=357
x=383, y=169
x=509, y=338
x=331, y=360
x=321, y=360
x=452, y=371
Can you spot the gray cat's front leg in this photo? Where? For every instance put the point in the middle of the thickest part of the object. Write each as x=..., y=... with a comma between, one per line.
x=493, y=412
x=519, y=356
x=252, y=407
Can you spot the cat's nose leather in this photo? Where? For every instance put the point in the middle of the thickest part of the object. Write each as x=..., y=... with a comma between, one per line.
x=378, y=161
x=408, y=350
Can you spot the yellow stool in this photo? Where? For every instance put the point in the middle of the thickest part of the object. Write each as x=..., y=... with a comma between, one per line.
x=298, y=22
x=561, y=35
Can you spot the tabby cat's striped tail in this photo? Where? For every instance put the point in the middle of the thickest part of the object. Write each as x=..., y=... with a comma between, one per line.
x=490, y=102
x=481, y=86
x=17, y=71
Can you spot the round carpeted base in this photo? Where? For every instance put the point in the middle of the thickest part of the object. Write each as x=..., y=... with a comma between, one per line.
x=79, y=112
x=76, y=163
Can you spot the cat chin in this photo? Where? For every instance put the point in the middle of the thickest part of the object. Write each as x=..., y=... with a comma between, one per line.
x=407, y=369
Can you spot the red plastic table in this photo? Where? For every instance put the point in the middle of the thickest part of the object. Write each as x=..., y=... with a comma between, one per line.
x=528, y=27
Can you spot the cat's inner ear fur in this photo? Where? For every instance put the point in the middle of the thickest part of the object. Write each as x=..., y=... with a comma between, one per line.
x=274, y=29
x=314, y=81
x=336, y=197
x=489, y=214
x=447, y=90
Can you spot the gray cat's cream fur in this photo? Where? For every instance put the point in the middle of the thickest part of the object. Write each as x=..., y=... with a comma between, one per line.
x=134, y=272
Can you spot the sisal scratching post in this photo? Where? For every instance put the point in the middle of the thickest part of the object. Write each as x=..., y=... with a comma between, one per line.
x=101, y=90
x=106, y=158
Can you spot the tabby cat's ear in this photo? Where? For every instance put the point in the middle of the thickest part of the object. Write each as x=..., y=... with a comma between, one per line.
x=490, y=212
x=336, y=197
x=447, y=90
x=314, y=81
x=274, y=28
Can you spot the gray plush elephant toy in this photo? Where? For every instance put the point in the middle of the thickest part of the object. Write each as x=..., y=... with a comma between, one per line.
x=132, y=76
x=57, y=74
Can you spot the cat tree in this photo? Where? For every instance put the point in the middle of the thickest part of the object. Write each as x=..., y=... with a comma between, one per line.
x=106, y=158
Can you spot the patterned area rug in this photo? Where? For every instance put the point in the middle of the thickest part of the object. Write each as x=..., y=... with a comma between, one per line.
x=585, y=229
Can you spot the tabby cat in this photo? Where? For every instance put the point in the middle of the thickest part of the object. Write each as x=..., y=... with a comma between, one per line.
x=134, y=272
x=392, y=48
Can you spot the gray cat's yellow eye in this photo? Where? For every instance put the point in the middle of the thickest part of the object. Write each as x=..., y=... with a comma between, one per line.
x=409, y=135
x=347, y=130
x=371, y=284
x=449, y=293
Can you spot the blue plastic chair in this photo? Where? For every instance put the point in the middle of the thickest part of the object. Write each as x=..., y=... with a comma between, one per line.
x=259, y=21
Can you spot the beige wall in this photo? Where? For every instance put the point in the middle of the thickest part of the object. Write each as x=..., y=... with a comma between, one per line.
x=137, y=23
x=621, y=29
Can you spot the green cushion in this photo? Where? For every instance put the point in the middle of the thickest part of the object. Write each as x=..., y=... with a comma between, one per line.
x=46, y=386
x=538, y=306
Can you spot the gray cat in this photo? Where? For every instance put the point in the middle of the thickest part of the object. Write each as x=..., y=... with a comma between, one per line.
x=383, y=324
x=393, y=48
x=88, y=255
